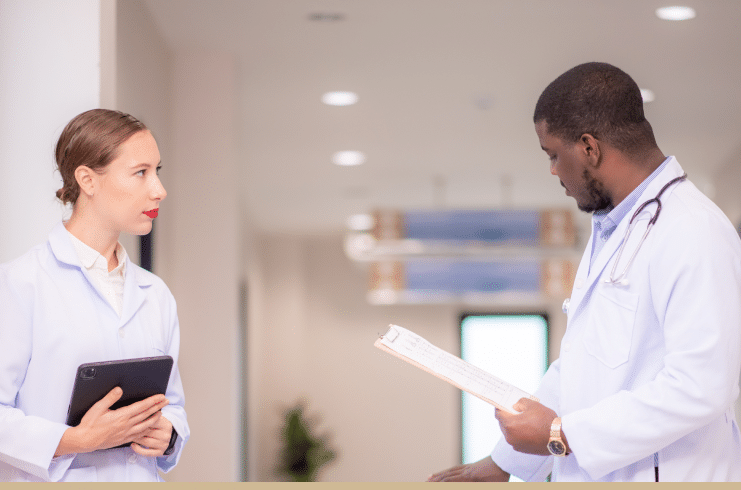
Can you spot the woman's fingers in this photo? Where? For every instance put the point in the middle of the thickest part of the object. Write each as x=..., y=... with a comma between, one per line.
x=142, y=410
x=105, y=403
x=102, y=427
x=144, y=451
x=145, y=425
x=153, y=442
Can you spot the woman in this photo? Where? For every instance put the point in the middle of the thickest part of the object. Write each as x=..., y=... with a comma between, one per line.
x=78, y=298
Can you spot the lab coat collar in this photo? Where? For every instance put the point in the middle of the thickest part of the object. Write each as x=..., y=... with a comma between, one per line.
x=62, y=247
x=136, y=283
x=672, y=170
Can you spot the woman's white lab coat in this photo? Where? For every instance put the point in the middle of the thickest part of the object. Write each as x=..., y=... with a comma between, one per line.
x=651, y=366
x=52, y=319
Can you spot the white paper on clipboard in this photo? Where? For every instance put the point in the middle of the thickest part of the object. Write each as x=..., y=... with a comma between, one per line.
x=417, y=351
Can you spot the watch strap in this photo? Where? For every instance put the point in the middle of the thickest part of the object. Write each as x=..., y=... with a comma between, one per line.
x=171, y=447
x=556, y=428
x=556, y=446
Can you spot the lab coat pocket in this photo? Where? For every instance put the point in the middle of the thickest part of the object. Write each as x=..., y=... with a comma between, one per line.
x=88, y=473
x=610, y=331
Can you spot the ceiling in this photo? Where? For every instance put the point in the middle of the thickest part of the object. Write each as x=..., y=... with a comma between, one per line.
x=446, y=94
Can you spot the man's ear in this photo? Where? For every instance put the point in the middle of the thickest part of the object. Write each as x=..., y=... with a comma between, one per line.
x=86, y=179
x=592, y=149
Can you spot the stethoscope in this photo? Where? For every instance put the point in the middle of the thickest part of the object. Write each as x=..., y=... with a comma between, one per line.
x=621, y=279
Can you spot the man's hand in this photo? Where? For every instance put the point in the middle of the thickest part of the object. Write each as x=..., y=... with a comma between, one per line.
x=483, y=470
x=528, y=431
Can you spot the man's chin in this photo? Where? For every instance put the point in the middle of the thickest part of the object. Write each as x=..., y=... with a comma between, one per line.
x=592, y=206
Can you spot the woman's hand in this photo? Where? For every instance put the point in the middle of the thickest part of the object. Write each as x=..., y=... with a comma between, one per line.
x=155, y=440
x=103, y=428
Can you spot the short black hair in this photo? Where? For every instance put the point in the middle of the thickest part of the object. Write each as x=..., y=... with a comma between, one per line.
x=597, y=99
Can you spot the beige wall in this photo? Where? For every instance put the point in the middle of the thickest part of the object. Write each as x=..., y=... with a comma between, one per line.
x=388, y=420
x=204, y=261
x=142, y=69
x=728, y=197
x=187, y=100
x=726, y=185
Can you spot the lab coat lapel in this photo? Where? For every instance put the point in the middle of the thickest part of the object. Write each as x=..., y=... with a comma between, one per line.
x=610, y=248
x=578, y=291
x=136, y=287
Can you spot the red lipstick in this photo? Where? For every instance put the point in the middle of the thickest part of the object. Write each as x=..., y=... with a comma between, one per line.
x=152, y=213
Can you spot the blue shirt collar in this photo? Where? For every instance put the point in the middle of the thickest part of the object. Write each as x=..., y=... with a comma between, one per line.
x=608, y=219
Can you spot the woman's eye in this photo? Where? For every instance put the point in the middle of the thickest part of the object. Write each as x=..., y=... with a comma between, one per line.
x=158, y=169
x=141, y=172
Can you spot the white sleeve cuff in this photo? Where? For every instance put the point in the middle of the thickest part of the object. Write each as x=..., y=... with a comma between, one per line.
x=527, y=467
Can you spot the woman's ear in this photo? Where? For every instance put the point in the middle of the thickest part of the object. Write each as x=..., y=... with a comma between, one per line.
x=86, y=179
x=592, y=149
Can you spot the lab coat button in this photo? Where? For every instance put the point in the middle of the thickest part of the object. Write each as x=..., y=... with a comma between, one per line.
x=121, y=333
x=579, y=283
x=565, y=305
x=132, y=459
x=566, y=347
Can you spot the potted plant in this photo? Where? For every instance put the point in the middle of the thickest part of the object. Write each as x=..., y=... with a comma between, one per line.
x=303, y=454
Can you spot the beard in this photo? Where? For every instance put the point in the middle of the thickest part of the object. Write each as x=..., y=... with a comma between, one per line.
x=599, y=199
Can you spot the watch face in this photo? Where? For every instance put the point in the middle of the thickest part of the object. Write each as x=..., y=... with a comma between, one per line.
x=556, y=448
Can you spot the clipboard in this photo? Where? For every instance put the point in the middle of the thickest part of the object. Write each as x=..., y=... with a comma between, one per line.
x=139, y=378
x=411, y=348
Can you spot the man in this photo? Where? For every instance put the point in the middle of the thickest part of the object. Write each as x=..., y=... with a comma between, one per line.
x=648, y=374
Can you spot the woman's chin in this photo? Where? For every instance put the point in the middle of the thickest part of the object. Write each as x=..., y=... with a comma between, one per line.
x=140, y=229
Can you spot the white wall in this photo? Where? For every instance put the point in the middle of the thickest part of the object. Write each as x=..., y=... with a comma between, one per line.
x=49, y=73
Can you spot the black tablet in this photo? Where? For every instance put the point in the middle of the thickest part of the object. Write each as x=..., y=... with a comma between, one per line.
x=138, y=378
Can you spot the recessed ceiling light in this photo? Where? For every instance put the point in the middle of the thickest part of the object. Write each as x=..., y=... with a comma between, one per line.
x=361, y=222
x=675, y=13
x=340, y=98
x=647, y=95
x=348, y=158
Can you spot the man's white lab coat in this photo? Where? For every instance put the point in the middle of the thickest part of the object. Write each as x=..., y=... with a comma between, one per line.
x=651, y=366
x=52, y=319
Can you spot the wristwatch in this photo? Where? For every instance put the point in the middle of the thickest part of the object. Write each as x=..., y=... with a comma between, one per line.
x=555, y=445
x=171, y=446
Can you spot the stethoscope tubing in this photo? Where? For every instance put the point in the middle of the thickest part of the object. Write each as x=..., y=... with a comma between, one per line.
x=631, y=224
